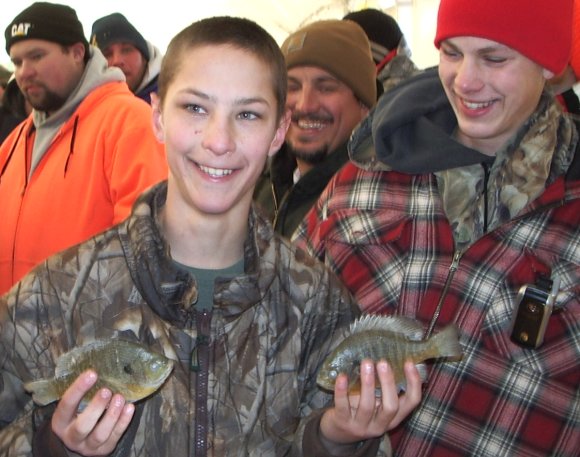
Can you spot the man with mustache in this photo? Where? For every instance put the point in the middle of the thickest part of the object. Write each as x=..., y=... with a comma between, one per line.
x=75, y=166
x=331, y=88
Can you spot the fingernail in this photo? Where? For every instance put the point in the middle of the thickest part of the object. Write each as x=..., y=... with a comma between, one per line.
x=105, y=393
x=91, y=376
x=368, y=368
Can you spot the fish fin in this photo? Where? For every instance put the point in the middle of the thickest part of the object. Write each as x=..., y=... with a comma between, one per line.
x=43, y=391
x=422, y=369
x=446, y=342
x=406, y=326
x=354, y=389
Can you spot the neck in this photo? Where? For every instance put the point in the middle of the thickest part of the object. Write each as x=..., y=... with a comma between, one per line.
x=202, y=241
x=303, y=167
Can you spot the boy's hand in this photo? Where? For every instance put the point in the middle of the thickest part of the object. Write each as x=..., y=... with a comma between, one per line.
x=87, y=433
x=356, y=418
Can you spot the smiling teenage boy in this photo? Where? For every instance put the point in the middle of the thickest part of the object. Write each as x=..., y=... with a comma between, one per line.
x=465, y=190
x=196, y=274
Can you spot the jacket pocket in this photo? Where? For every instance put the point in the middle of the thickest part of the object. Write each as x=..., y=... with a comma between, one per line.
x=369, y=251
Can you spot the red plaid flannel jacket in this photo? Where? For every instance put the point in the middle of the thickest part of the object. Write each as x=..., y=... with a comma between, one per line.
x=386, y=235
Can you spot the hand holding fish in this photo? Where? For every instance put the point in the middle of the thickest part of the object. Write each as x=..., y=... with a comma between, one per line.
x=99, y=427
x=358, y=417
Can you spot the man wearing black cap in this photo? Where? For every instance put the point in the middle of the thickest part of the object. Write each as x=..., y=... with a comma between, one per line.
x=391, y=54
x=124, y=47
x=75, y=166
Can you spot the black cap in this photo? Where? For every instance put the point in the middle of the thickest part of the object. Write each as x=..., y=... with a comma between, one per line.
x=115, y=28
x=380, y=28
x=46, y=21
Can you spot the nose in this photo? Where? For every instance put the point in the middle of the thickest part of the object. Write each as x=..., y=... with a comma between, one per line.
x=304, y=100
x=468, y=77
x=218, y=135
x=114, y=58
x=24, y=71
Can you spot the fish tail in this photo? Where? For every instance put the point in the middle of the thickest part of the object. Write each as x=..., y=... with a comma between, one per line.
x=43, y=391
x=446, y=342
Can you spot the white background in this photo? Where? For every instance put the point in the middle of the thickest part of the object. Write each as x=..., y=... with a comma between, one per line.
x=160, y=20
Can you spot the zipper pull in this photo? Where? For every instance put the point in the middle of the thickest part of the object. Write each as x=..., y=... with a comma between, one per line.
x=201, y=340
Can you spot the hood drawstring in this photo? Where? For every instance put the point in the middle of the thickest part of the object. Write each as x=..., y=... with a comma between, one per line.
x=386, y=60
x=72, y=144
x=11, y=151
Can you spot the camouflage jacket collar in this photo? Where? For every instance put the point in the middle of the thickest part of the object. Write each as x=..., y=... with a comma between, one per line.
x=172, y=292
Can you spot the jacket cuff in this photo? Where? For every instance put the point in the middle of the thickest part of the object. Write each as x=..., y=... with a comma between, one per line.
x=46, y=444
x=313, y=443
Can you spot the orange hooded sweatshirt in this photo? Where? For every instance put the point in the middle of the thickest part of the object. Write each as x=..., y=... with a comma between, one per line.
x=104, y=155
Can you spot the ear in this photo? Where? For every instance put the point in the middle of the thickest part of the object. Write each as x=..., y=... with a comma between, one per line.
x=280, y=133
x=78, y=50
x=157, y=118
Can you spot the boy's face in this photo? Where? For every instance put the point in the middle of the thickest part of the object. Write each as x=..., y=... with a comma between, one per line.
x=493, y=90
x=218, y=123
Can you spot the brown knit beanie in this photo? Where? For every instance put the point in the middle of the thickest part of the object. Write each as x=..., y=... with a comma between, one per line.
x=340, y=47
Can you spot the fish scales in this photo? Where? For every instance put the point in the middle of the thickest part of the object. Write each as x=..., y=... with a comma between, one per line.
x=395, y=339
x=124, y=367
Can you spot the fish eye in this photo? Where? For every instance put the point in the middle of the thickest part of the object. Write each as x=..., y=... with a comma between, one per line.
x=333, y=374
x=156, y=365
x=128, y=369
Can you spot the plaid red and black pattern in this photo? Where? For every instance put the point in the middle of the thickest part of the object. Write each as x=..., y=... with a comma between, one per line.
x=387, y=236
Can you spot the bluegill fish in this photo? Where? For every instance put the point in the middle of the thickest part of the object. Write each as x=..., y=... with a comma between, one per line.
x=122, y=366
x=395, y=339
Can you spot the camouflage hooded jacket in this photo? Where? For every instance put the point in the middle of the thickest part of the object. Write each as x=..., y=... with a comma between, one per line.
x=257, y=352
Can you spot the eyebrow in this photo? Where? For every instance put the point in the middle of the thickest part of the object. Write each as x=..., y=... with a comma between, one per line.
x=492, y=48
x=29, y=52
x=243, y=101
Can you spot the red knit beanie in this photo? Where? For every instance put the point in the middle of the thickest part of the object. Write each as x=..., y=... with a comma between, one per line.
x=541, y=30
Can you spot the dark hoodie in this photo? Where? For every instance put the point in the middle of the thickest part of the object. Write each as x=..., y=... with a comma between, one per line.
x=413, y=117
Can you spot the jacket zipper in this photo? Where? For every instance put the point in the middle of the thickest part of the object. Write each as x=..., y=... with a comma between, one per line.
x=485, y=202
x=455, y=263
x=200, y=365
x=437, y=312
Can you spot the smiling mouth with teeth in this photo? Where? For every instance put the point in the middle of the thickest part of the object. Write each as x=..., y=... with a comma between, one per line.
x=476, y=105
x=215, y=172
x=306, y=124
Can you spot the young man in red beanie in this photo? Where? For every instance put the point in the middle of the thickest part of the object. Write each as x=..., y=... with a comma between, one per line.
x=75, y=166
x=462, y=204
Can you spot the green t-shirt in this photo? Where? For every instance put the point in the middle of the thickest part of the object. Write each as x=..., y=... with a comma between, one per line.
x=206, y=280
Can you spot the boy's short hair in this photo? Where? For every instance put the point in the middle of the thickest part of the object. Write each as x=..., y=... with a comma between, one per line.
x=224, y=30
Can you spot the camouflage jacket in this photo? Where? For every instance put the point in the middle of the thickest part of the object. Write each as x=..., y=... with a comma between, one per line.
x=244, y=380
